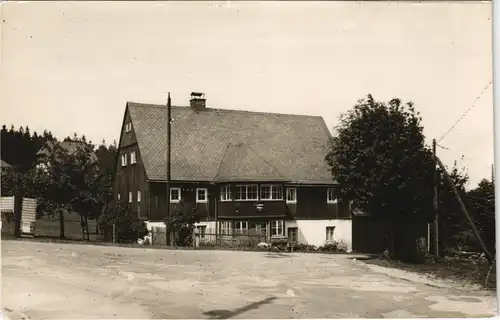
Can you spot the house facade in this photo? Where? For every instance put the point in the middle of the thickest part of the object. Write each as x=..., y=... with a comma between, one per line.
x=244, y=171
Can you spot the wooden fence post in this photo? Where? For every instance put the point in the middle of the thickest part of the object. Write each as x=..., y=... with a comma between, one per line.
x=18, y=207
x=114, y=233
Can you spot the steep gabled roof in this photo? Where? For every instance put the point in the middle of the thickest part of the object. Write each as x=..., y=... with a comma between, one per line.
x=213, y=144
x=241, y=163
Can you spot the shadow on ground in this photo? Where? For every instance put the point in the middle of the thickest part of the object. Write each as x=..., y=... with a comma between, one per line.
x=278, y=255
x=227, y=314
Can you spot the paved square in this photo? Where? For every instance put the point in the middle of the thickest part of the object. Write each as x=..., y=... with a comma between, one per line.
x=65, y=281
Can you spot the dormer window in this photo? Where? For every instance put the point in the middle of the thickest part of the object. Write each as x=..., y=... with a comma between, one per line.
x=128, y=127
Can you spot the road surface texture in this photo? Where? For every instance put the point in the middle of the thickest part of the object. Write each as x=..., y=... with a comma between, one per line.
x=68, y=281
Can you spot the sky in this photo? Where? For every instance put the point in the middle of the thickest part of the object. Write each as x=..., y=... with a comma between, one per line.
x=71, y=66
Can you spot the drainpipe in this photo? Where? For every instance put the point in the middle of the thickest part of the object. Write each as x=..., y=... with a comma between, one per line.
x=216, y=219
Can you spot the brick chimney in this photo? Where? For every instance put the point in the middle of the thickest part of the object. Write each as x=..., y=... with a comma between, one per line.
x=198, y=100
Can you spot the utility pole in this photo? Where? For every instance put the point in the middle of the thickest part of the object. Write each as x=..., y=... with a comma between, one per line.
x=489, y=256
x=493, y=174
x=436, y=210
x=169, y=138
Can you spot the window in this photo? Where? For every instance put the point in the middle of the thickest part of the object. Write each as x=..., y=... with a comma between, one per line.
x=330, y=196
x=175, y=195
x=124, y=160
x=201, y=195
x=225, y=227
x=270, y=192
x=225, y=193
x=291, y=195
x=118, y=196
x=128, y=127
x=246, y=192
x=277, y=229
x=132, y=157
x=329, y=233
x=240, y=226
x=130, y=197
x=292, y=234
x=139, y=202
x=202, y=230
x=258, y=228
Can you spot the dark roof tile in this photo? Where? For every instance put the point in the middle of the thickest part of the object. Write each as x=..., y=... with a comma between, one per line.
x=275, y=146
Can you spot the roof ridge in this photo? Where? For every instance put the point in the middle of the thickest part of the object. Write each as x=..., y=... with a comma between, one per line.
x=223, y=160
x=265, y=161
x=150, y=105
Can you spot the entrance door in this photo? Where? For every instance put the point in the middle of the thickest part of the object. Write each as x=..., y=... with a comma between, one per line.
x=292, y=235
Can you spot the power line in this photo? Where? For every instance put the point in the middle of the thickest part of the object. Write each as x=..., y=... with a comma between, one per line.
x=465, y=113
x=445, y=148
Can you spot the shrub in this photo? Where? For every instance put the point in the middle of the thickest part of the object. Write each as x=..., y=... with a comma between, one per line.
x=128, y=227
x=180, y=224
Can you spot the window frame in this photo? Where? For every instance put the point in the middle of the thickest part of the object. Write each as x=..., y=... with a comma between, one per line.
x=124, y=159
x=130, y=197
x=294, y=231
x=226, y=193
x=294, y=193
x=202, y=230
x=328, y=228
x=133, y=157
x=330, y=193
x=128, y=127
x=118, y=196
x=238, y=226
x=271, y=187
x=275, y=225
x=175, y=200
x=138, y=203
x=227, y=226
x=259, y=227
x=206, y=195
x=246, y=192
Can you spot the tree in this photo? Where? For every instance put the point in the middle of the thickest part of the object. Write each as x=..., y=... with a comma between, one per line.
x=128, y=227
x=381, y=162
x=59, y=189
x=482, y=202
x=454, y=229
x=94, y=188
x=180, y=224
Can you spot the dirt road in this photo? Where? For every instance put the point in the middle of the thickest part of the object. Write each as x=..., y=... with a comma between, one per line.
x=65, y=281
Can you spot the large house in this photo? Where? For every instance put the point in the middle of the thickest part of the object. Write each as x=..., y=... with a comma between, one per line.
x=242, y=170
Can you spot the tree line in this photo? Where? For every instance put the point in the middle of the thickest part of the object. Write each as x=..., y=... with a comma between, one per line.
x=379, y=157
x=78, y=181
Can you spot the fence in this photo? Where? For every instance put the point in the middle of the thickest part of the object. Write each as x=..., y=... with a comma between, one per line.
x=231, y=238
x=205, y=237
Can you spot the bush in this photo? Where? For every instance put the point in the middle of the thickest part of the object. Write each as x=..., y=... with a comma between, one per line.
x=180, y=225
x=128, y=227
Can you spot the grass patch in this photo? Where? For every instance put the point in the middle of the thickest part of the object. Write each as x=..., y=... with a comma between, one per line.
x=472, y=271
x=49, y=228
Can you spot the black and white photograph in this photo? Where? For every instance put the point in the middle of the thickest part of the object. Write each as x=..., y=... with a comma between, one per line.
x=247, y=159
